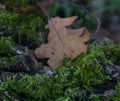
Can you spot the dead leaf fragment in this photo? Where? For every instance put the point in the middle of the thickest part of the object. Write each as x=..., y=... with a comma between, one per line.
x=63, y=42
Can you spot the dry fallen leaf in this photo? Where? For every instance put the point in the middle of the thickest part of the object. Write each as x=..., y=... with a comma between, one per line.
x=63, y=42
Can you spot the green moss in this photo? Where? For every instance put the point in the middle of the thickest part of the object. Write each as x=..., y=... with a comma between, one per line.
x=20, y=25
x=88, y=67
x=8, y=20
x=95, y=55
x=69, y=80
x=6, y=44
x=113, y=52
x=8, y=62
x=94, y=97
x=30, y=86
x=6, y=54
x=116, y=96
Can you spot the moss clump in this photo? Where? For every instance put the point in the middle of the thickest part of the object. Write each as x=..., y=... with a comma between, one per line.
x=113, y=53
x=89, y=67
x=8, y=62
x=116, y=96
x=68, y=82
x=6, y=58
x=22, y=17
x=39, y=87
x=23, y=22
x=6, y=44
x=23, y=28
x=32, y=89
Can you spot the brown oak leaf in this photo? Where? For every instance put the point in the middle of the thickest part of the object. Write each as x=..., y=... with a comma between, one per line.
x=63, y=42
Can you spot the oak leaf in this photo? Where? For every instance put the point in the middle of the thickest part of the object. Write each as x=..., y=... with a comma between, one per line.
x=63, y=42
